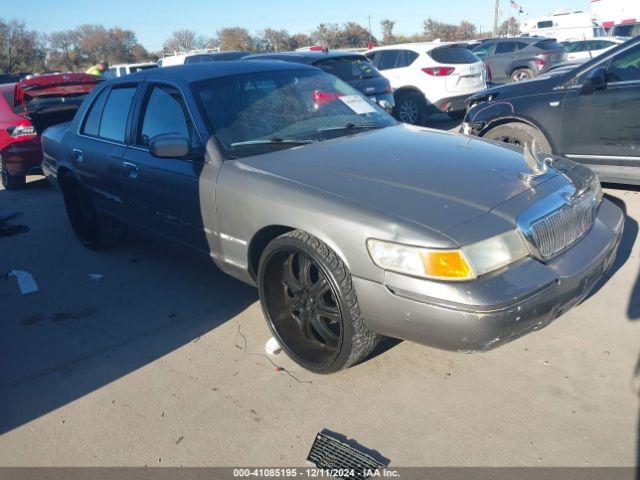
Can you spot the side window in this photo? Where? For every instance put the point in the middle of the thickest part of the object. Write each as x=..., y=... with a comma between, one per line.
x=122, y=71
x=545, y=24
x=165, y=112
x=388, y=59
x=484, y=49
x=115, y=113
x=405, y=58
x=625, y=66
x=110, y=73
x=92, y=119
x=505, y=47
x=521, y=45
x=373, y=58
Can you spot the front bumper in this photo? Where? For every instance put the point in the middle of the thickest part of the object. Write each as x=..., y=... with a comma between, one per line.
x=495, y=310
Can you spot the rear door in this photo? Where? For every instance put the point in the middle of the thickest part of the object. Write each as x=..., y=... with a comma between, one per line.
x=601, y=128
x=162, y=194
x=396, y=66
x=100, y=145
x=504, y=56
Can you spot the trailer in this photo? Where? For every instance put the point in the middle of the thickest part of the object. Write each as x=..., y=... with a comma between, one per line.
x=564, y=25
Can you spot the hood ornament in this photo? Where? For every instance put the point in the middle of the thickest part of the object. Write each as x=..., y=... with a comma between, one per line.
x=537, y=166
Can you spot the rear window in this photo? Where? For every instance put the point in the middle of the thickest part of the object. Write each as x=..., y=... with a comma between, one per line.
x=114, y=115
x=348, y=68
x=549, y=45
x=41, y=102
x=453, y=55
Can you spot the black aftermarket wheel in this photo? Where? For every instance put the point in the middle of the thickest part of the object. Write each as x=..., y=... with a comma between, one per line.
x=310, y=304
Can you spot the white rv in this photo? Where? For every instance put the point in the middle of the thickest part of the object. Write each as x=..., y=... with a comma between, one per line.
x=563, y=25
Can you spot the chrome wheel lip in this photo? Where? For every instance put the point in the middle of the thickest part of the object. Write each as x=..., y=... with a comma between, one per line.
x=409, y=111
x=294, y=314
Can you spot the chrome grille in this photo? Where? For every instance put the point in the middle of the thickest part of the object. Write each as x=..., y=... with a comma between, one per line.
x=560, y=229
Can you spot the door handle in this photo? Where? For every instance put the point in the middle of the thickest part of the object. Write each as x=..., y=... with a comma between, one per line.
x=130, y=170
x=78, y=155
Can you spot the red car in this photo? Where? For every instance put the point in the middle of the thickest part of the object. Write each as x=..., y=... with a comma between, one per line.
x=26, y=109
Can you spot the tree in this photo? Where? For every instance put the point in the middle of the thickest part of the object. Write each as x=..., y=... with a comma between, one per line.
x=327, y=34
x=235, y=38
x=387, y=31
x=184, y=41
x=354, y=35
x=509, y=27
x=434, y=30
x=300, y=40
x=466, y=31
x=20, y=49
x=270, y=40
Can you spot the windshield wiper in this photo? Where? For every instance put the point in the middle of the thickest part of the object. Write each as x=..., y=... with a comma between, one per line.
x=349, y=126
x=274, y=141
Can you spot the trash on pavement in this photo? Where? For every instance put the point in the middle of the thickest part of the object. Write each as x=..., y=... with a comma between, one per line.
x=26, y=282
x=272, y=347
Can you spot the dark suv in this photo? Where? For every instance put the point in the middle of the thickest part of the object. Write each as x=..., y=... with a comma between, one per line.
x=589, y=113
x=517, y=59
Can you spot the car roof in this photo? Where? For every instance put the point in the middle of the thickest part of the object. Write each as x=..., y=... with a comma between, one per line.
x=304, y=56
x=533, y=39
x=206, y=70
x=416, y=46
x=118, y=65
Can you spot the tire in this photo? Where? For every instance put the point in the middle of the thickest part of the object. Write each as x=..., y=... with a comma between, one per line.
x=9, y=181
x=521, y=74
x=518, y=134
x=410, y=108
x=299, y=278
x=94, y=229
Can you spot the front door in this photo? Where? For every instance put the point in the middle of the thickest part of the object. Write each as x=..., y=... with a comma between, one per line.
x=163, y=194
x=602, y=128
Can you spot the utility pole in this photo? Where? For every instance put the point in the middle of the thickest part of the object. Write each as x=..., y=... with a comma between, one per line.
x=496, y=15
x=370, y=45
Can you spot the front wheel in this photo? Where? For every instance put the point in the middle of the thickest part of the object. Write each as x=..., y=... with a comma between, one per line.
x=310, y=304
x=519, y=134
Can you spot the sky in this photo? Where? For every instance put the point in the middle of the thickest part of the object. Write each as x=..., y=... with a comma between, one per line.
x=154, y=20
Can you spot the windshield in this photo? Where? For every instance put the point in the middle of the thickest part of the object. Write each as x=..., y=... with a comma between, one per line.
x=349, y=68
x=255, y=113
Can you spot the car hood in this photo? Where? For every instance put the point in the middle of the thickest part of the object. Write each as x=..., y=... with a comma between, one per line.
x=429, y=177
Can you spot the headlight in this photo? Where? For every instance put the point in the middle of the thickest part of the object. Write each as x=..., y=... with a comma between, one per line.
x=465, y=263
x=596, y=188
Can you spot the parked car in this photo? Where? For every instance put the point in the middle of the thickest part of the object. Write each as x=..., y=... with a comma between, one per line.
x=200, y=57
x=517, y=59
x=353, y=68
x=429, y=77
x=351, y=224
x=587, y=49
x=589, y=113
x=123, y=69
x=27, y=108
x=629, y=30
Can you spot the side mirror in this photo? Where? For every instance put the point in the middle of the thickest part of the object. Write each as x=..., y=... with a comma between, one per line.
x=596, y=80
x=169, y=145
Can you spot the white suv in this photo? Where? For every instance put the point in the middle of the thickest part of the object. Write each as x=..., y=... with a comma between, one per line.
x=429, y=76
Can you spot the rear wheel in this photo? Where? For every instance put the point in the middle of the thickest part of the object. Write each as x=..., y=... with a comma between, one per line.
x=94, y=229
x=521, y=74
x=519, y=134
x=410, y=108
x=11, y=182
x=310, y=304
